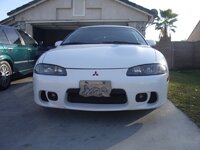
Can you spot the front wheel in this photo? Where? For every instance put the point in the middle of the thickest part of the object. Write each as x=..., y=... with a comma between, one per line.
x=5, y=75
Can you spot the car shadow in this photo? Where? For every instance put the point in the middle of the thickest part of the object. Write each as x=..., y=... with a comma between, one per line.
x=39, y=128
x=105, y=129
x=20, y=77
x=18, y=81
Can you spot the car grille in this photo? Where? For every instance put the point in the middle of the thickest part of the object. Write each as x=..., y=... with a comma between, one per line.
x=117, y=96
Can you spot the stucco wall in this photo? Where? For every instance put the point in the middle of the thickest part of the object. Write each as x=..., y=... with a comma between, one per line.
x=56, y=14
x=195, y=35
x=95, y=9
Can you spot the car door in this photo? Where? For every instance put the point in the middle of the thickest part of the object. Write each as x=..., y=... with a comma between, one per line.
x=3, y=40
x=32, y=48
x=16, y=51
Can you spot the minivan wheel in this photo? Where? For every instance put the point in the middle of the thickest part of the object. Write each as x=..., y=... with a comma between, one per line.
x=5, y=75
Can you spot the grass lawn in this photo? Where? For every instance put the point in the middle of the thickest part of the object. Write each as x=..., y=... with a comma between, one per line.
x=184, y=92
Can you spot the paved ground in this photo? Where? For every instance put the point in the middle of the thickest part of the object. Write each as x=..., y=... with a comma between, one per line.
x=26, y=126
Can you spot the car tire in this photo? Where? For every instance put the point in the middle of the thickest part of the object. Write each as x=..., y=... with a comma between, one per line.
x=5, y=75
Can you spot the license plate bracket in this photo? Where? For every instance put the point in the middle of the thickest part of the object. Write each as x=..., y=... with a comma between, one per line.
x=95, y=88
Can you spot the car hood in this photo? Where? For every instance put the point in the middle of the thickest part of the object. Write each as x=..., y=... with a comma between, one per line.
x=100, y=56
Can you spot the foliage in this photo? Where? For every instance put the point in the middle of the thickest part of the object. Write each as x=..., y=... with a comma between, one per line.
x=184, y=92
x=165, y=22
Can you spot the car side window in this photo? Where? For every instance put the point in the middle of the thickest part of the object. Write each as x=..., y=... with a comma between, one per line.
x=27, y=39
x=3, y=38
x=12, y=36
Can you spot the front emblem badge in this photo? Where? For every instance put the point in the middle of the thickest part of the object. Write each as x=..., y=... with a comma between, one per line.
x=95, y=74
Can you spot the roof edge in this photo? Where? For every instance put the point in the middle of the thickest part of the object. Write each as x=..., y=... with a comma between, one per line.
x=25, y=7
x=137, y=7
x=4, y=21
x=34, y=3
x=193, y=31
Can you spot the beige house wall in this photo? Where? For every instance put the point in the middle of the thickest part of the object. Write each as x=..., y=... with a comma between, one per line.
x=195, y=35
x=95, y=9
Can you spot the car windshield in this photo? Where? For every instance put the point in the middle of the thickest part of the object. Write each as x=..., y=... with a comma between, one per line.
x=105, y=35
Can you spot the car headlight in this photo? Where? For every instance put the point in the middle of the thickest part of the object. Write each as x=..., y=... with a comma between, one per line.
x=146, y=70
x=49, y=69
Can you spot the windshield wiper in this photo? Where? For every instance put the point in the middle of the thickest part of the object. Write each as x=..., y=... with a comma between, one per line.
x=74, y=43
x=104, y=42
x=120, y=42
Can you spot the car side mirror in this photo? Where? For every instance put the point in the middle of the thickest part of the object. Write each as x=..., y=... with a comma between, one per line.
x=41, y=43
x=151, y=42
x=58, y=43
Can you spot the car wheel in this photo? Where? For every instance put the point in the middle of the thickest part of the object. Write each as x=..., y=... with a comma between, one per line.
x=5, y=75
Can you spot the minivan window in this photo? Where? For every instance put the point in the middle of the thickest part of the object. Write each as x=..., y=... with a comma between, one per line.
x=3, y=39
x=12, y=36
x=27, y=39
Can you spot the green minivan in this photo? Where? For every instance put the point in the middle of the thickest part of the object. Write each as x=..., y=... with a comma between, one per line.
x=18, y=54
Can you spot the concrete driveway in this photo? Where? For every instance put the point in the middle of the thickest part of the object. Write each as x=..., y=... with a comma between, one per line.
x=26, y=126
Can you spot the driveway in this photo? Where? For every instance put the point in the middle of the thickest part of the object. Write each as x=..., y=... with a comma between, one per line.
x=26, y=126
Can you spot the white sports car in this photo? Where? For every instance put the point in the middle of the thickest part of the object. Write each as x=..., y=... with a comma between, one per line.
x=101, y=68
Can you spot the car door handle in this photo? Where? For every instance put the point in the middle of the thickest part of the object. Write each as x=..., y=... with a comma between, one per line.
x=29, y=49
x=10, y=48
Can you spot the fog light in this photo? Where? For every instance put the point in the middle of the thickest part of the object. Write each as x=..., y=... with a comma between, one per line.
x=141, y=97
x=43, y=96
x=52, y=96
x=153, y=98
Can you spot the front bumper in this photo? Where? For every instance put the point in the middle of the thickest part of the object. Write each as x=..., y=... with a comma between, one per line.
x=131, y=85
